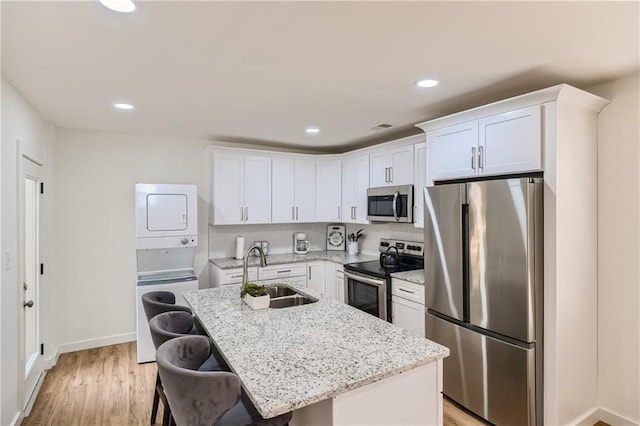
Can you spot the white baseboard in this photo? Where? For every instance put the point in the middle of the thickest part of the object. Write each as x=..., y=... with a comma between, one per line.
x=95, y=343
x=600, y=414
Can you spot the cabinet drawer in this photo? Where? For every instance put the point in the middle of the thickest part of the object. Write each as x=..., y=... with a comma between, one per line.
x=234, y=276
x=283, y=271
x=407, y=290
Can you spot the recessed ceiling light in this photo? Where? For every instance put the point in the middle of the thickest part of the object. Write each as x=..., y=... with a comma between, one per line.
x=427, y=83
x=124, y=6
x=312, y=130
x=122, y=105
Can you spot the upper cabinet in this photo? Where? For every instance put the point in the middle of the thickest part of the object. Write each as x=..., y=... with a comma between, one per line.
x=355, y=182
x=392, y=167
x=241, y=189
x=509, y=142
x=293, y=190
x=329, y=190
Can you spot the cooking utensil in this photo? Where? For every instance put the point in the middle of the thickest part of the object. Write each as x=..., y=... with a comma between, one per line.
x=389, y=259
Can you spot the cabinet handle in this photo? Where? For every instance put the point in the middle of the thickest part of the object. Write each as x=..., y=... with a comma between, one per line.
x=338, y=212
x=246, y=213
x=283, y=271
x=355, y=212
x=390, y=174
x=406, y=291
x=386, y=174
x=236, y=276
x=293, y=213
x=309, y=272
x=473, y=158
x=480, y=157
x=296, y=213
x=241, y=214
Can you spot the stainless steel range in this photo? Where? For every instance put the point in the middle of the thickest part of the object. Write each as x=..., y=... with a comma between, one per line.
x=368, y=284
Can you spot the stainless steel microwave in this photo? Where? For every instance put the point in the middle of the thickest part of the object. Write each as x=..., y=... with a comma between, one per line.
x=390, y=204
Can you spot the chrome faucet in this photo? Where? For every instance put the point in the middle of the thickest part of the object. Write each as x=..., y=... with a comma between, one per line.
x=245, y=261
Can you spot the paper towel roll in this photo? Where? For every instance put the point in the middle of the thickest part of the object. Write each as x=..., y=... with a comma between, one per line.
x=239, y=247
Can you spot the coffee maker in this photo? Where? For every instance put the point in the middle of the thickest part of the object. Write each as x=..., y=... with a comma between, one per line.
x=300, y=243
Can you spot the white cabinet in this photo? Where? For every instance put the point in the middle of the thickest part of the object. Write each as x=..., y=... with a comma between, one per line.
x=316, y=276
x=407, y=306
x=293, y=190
x=509, y=142
x=331, y=290
x=355, y=182
x=329, y=190
x=286, y=270
x=241, y=189
x=340, y=283
x=219, y=276
x=419, y=182
x=392, y=167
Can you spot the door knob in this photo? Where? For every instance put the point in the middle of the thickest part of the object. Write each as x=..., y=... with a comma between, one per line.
x=28, y=304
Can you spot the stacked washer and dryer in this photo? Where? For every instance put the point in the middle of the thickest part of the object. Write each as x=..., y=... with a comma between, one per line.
x=166, y=240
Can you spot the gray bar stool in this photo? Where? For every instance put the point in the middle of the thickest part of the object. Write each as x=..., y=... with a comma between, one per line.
x=204, y=397
x=157, y=302
x=164, y=327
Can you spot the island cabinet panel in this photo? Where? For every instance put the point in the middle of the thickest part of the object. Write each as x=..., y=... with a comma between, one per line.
x=293, y=190
x=329, y=190
x=355, y=181
x=241, y=189
x=392, y=167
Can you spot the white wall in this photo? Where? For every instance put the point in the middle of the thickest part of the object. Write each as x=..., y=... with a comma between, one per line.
x=20, y=122
x=95, y=173
x=619, y=249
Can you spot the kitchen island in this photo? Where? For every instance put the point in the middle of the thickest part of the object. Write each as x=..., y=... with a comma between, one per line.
x=328, y=362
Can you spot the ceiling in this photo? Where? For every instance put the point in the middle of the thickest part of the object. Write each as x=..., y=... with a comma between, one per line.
x=259, y=72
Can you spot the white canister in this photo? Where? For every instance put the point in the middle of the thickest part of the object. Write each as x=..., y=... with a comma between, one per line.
x=239, y=247
x=352, y=247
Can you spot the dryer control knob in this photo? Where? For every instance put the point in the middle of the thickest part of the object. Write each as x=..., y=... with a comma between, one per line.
x=184, y=241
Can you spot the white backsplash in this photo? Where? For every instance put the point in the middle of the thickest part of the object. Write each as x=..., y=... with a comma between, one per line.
x=222, y=238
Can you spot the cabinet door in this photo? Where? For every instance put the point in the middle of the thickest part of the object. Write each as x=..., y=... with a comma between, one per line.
x=362, y=178
x=299, y=282
x=257, y=189
x=227, y=200
x=305, y=190
x=419, y=182
x=283, y=187
x=349, y=185
x=340, y=286
x=315, y=276
x=381, y=163
x=408, y=315
x=401, y=172
x=510, y=142
x=452, y=151
x=329, y=191
x=330, y=280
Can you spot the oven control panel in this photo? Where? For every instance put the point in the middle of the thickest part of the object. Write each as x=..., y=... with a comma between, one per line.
x=406, y=248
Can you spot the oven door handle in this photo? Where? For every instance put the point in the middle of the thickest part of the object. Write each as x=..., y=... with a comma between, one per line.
x=366, y=280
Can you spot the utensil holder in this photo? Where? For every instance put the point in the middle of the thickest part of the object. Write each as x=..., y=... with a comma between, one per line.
x=352, y=247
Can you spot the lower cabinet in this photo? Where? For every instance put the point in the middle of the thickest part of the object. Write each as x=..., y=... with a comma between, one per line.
x=219, y=276
x=340, y=283
x=407, y=306
x=316, y=276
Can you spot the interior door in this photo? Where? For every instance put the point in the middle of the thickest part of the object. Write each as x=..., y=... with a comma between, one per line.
x=443, y=249
x=29, y=274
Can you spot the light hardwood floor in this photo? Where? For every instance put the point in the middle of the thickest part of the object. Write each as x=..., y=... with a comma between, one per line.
x=106, y=386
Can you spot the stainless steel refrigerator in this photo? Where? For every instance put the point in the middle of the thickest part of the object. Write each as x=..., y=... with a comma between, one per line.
x=483, y=280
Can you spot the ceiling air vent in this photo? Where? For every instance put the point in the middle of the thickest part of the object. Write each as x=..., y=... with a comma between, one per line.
x=382, y=126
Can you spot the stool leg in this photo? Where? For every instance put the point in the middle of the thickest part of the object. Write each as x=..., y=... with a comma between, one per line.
x=156, y=400
x=166, y=417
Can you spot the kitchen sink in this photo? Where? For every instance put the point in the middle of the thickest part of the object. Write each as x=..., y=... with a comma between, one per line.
x=280, y=291
x=284, y=297
x=287, y=302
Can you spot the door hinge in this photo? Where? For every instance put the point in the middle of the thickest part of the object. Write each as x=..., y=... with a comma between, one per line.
x=41, y=348
x=42, y=187
x=42, y=269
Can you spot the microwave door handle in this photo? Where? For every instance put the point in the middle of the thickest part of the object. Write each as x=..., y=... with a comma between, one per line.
x=395, y=202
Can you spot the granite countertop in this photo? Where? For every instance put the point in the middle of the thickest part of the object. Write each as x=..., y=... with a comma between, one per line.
x=293, y=357
x=416, y=276
x=341, y=257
